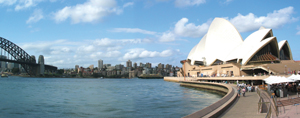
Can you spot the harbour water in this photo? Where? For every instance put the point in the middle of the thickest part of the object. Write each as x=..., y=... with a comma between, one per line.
x=126, y=98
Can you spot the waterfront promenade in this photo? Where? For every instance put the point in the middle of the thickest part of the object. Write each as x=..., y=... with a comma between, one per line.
x=245, y=107
x=248, y=106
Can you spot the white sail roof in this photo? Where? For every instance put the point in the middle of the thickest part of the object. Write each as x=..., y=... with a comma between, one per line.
x=223, y=42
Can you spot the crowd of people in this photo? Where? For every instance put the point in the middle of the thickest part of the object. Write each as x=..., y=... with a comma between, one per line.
x=243, y=88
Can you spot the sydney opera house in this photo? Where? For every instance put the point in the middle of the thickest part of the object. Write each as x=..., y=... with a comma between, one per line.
x=222, y=52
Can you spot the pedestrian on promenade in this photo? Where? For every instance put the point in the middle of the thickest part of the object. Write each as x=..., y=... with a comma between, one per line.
x=239, y=91
x=249, y=88
x=244, y=91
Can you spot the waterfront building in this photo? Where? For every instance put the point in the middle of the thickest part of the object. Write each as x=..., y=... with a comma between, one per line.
x=160, y=66
x=119, y=67
x=100, y=64
x=77, y=68
x=10, y=66
x=3, y=64
x=16, y=65
x=41, y=62
x=148, y=65
x=91, y=67
x=110, y=68
x=106, y=65
x=141, y=64
x=135, y=65
x=223, y=52
x=128, y=63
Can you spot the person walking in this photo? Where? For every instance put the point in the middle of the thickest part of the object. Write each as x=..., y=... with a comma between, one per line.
x=239, y=91
x=244, y=91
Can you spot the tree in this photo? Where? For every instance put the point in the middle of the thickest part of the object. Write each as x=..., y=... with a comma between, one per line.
x=15, y=70
x=60, y=71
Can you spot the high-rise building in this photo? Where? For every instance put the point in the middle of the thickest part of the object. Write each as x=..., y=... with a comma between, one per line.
x=168, y=66
x=128, y=63
x=10, y=65
x=135, y=65
x=3, y=64
x=106, y=65
x=141, y=64
x=100, y=64
x=160, y=66
x=148, y=65
x=76, y=68
x=119, y=67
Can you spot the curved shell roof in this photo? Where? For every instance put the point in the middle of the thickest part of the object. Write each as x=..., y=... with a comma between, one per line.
x=221, y=35
x=224, y=42
x=282, y=43
x=257, y=47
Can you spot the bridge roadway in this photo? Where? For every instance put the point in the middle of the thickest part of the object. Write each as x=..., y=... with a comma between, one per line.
x=244, y=107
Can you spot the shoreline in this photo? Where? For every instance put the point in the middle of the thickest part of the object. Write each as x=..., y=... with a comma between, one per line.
x=216, y=109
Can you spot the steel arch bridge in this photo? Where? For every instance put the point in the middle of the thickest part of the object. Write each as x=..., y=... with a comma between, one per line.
x=19, y=55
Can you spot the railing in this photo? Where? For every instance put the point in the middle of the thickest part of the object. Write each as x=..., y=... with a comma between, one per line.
x=269, y=113
x=259, y=105
x=274, y=100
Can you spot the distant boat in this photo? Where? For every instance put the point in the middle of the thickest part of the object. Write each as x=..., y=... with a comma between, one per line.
x=4, y=75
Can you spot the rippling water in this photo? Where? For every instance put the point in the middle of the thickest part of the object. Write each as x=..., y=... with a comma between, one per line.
x=126, y=98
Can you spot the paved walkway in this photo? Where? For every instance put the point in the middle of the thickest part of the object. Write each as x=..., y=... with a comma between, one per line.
x=245, y=107
x=291, y=110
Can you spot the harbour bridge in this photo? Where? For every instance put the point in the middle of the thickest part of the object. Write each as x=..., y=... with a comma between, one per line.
x=15, y=54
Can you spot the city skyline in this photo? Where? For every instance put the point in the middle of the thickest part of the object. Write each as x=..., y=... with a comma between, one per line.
x=81, y=32
x=102, y=65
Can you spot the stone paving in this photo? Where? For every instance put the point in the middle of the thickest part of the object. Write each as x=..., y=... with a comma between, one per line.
x=289, y=111
x=245, y=107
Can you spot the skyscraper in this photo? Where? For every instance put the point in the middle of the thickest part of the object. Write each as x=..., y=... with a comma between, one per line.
x=135, y=65
x=100, y=64
x=128, y=63
x=148, y=65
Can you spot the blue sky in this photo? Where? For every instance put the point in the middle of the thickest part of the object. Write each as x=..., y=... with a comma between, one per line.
x=80, y=32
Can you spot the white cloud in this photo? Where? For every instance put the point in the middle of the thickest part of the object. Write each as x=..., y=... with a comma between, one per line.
x=190, y=30
x=273, y=20
x=60, y=50
x=8, y=2
x=185, y=3
x=23, y=4
x=106, y=42
x=111, y=54
x=128, y=4
x=86, y=49
x=106, y=54
x=36, y=16
x=52, y=47
x=133, y=30
x=147, y=53
x=167, y=37
x=103, y=42
x=90, y=11
x=138, y=53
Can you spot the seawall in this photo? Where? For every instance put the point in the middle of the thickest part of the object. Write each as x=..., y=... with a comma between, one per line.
x=218, y=107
